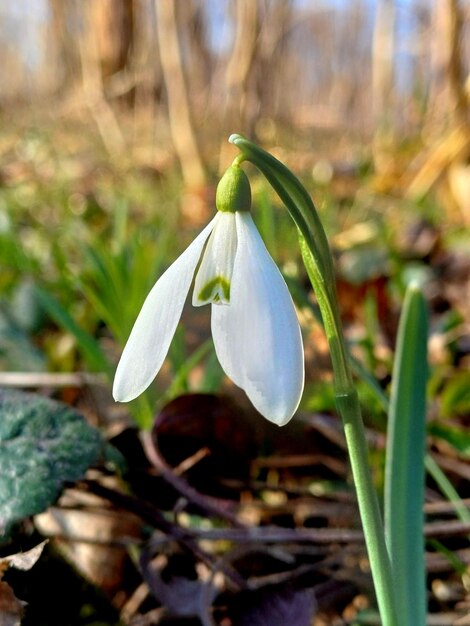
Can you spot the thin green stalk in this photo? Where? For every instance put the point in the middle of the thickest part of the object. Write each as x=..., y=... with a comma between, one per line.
x=348, y=406
x=319, y=264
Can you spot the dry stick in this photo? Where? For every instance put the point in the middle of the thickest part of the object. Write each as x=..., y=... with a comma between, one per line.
x=181, y=126
x=269, y=534
x=133, y=603
x=460, y=468
x=440, y=563
x=189, y=539
x=50, y=379
x=451, y=147
x=444, y=506
x=153, y=516
x=145, y=510
x=205, y=503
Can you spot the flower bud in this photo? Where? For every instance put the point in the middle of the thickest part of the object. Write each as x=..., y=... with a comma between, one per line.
x=233, y=191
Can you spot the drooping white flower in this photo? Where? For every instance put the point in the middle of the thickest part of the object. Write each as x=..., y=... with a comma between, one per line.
x=254, y=325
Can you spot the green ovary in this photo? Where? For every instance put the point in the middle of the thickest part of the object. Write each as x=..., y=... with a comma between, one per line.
x=217, y=290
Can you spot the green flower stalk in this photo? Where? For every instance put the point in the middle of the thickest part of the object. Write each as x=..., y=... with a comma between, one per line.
x=319, y=264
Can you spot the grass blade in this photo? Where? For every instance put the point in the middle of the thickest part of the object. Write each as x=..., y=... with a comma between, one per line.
x=88, y=345
x=404, y=474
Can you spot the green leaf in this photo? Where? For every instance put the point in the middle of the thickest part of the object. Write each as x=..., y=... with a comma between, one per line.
x=432, y=467
x=404, y=473
x=213, y=375
x=455, y=398
x=458, y=437
x=117, y=281
x=180, y=383
x=43, y=444
x=89, y=346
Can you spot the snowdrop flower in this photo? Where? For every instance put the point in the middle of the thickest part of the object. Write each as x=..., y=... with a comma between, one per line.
x=255, y=329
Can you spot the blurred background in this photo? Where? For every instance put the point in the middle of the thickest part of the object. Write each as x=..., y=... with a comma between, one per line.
x=155, y=80
x=114, y=120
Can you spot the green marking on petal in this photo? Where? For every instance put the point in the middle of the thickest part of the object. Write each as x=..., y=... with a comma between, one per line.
x=217, y=290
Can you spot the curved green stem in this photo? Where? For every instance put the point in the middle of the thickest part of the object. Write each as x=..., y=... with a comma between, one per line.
x=349, y=409
x=319, y=264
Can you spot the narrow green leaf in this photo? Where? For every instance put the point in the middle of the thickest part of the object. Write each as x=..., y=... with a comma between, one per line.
x=213, y=375
x=180, y=383
x=404, y=473
x=447, y=488
x=433, y=469
x=455, y=398
x=457, y=436
x=88, y=344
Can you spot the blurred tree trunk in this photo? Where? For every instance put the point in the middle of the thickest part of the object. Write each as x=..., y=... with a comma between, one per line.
x=69, y=57
x=148, y=80
x=238, y=110
x=276, y=22
x=92, y=54
x=351, y=82
x=181, y=125
x=114, y=24
x=108, y=22
x=456, y=66
x=383, y=49
x=448, y=95
x=199, y=61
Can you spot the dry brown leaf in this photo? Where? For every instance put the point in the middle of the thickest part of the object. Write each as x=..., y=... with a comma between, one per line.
x=23, y=560
x=11, y=609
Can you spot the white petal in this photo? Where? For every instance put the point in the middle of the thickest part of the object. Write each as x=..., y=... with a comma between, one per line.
x=257, y=336
x=214, y=275
x=155, y=326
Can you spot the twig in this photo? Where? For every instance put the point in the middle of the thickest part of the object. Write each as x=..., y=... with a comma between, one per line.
x=271, y=534
x=205, y=503
x=446, y=529
x=453, y=465
x=444, y=506
x=132, y=605
x=152, y=515
x=50, y=379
